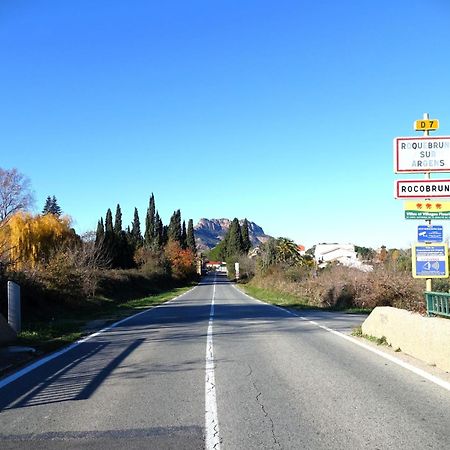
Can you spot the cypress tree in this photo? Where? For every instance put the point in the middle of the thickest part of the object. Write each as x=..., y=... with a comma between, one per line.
x=118, y=221
x=109, y=228
x=149, y=235
x=174, y=230
x=234, y=241
x=246, y=243
x=190, y=239
x=100, y=233
x=158, y=242
x=109, y=241
x=152, y=211
x=165, y=234
x=183, y=236
x=118, y=240
x=136, y=235
x=121, y=252
x=128, y=249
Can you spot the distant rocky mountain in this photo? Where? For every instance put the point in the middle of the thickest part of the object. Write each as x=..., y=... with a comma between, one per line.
x=209, y=232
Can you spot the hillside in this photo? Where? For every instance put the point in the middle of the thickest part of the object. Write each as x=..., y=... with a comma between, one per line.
x=209, y=232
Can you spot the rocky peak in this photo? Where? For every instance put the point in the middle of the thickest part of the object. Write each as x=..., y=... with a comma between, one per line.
x=213, y=224
x=209, y=232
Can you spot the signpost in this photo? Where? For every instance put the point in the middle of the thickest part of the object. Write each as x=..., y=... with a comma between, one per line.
x=422, y=188
x=422, y=154
x=430, y=261
x=426, y=155
x=426, y=125
x=430, y=233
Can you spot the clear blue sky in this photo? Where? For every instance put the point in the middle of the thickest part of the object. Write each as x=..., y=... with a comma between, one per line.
x=282, y=112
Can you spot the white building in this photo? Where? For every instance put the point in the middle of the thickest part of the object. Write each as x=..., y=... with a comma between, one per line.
x=344, y=254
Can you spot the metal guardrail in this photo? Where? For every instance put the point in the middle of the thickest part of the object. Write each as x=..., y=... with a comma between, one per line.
x=438, y=303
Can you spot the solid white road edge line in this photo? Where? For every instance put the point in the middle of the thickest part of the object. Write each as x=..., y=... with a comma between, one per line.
x=421, y=373
x=212, y=439
x=13, y=377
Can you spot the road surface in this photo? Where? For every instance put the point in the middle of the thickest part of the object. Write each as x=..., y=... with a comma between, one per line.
x=216, y=369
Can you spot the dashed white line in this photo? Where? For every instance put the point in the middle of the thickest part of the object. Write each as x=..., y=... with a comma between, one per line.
x=212, y=439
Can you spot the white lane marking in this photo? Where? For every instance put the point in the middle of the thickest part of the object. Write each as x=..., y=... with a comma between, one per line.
x=42, y=361
x=421, y=373
x=212, y=439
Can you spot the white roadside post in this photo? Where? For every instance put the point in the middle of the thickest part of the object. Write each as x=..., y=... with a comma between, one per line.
x=236, y=269
x=14, y=312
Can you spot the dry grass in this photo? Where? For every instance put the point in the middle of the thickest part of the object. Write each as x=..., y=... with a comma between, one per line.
x=341, y=287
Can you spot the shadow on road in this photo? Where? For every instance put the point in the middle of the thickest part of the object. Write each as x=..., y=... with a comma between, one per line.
x=77, y=374
x=217, y=278
x=76, y=380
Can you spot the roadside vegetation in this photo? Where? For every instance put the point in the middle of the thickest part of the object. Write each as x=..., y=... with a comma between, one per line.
x=71, y=284
x=69, y=324
x=68, y=281
x=338, y=287
x=279, y=274
x=357, y=332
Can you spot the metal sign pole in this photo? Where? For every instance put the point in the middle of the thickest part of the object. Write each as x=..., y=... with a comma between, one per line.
x=426, y=116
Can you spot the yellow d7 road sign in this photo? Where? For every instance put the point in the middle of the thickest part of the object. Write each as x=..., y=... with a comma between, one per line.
x=426, y=124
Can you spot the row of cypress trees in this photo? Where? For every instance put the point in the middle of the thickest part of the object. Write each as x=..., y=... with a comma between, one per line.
x=119, y=246
x=236, y=242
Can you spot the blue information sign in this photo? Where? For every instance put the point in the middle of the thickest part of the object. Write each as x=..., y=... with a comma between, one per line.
x=432, y=233
x=430, y=261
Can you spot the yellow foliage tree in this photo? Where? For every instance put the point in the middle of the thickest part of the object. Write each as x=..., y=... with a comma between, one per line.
x=33, y=239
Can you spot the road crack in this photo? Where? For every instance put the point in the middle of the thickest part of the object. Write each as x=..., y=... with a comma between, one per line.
x=264, y=410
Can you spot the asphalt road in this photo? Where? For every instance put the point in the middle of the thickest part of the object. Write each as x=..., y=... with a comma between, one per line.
x=236, y=375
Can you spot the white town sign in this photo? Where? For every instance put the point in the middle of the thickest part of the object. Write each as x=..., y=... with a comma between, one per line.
x=422, y=154
x=422, y=189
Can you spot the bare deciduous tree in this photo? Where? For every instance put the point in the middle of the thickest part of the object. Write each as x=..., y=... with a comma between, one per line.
x=89, y=260
x=15, y=193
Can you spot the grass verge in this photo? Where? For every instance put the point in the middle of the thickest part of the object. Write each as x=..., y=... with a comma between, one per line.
x=274, y=297
x=357, y=332
x=286, y=300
